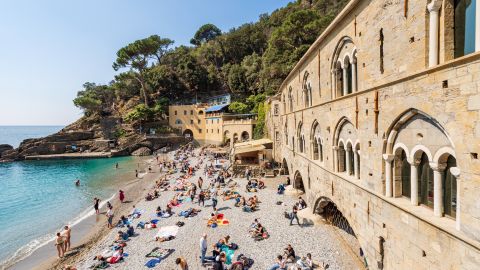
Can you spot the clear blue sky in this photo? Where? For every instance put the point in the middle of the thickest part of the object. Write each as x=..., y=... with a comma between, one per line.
x=48, y=49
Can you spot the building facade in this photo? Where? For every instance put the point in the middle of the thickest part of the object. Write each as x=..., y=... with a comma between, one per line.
x=380, y=120
x=212, y=124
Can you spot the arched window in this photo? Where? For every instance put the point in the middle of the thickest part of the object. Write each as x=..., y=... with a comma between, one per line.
x=425, y=182
x=300, y=138
x=286, y=132
x=344, y=68
x=306, y=91
x=342, y=158
x=464, y=27
x=178, y=122
x=450, y=188
x=200, y=112
x=402, y=173
x=290, y=98
x=350, y=159
x=347, y=158
x=320, y=149
x=315, y=142
x=284, y=103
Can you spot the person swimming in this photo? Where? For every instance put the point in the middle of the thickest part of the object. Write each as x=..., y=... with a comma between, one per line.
x=77, y=182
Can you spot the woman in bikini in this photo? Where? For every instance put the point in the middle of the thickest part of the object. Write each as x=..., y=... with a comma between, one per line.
x=59, y=244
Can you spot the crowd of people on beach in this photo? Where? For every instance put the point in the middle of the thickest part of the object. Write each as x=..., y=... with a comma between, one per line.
x=182, y=176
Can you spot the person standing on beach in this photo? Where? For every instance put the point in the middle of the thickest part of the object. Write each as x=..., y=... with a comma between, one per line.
x=95, y=205
x=116, y=166
x=200, y=182
x=110, y=217
x=121, y=195
x=136, y=173
x=201, y=198
x=59, y=245
x=66, y=235
x=203, y=247
x=214, y=194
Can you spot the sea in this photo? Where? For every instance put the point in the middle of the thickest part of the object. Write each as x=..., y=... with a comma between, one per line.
x=37, y=198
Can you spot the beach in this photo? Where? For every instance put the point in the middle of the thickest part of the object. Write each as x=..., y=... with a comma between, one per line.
x=86, y=226
x=321, y=240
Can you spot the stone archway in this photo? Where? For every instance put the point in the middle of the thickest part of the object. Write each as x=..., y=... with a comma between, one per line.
x=330, y=213
x=285, y=167
x=298, y=182
x=187, y=133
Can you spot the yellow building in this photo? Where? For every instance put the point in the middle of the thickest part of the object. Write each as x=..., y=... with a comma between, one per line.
x=211, y=124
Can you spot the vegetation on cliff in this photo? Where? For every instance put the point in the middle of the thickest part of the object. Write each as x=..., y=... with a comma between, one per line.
x=249, y=62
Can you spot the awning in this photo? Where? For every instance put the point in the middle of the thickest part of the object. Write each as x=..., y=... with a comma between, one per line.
x=253, y=143
x=248, y=149
x=216, y=108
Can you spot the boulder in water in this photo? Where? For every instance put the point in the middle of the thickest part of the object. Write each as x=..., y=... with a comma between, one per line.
x=142, y=151
x=4, y=148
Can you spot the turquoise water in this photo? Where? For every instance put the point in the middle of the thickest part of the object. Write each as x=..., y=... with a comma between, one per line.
x=14, y=135
x=39, y=197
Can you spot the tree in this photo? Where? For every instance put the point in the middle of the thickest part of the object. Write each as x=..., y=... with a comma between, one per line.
x=94, y=98
x=239, y=107
x=205, y=33
x=140, y=114
x=138, y=55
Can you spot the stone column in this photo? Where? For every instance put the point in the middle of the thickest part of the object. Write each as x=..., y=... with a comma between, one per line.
x=438, y=171
x=414, y=180
x=433, y=8
x=355, y=163
x=334, y=84
x=388, y=174
x=345, y=81
x=354, y=75
x=335, y=158
x=348, y=167
x=455, y=171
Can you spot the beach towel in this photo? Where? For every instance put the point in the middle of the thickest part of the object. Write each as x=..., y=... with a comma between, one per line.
x=167, y=231
x=152, y=263
x=229, y=254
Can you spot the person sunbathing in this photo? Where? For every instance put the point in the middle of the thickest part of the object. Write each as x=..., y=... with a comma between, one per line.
x=261, y=184
x=212, y=220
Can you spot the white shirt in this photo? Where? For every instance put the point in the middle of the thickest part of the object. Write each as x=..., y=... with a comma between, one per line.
x=203, y=243
x=110, y=213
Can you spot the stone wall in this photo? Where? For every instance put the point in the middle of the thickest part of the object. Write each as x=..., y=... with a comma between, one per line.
x=399, y=103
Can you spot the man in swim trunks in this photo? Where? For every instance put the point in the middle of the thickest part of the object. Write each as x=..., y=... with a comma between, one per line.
x=66, y=237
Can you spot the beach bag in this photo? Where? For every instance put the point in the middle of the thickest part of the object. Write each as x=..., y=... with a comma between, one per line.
x=180, y=224
x=100, y=265
x=214, y=225
x=233, y=246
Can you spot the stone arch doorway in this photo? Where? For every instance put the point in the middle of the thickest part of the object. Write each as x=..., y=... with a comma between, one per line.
x=245, y=136
x=226, y=137
x=284, y=170
x=330, y=213
x=298, y=182
x=188, y=134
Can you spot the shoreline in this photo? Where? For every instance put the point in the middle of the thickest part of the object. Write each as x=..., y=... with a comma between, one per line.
x=88, y=230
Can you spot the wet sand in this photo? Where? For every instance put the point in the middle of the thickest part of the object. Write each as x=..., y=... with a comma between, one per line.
x=86, y=233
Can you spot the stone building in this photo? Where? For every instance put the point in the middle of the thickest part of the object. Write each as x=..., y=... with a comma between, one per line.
x=379, y=125
x=212, y=123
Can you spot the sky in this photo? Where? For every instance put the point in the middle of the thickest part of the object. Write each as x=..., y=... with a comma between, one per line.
x=48, y=49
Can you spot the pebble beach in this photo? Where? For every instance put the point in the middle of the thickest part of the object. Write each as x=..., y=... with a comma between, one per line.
x=321, y=240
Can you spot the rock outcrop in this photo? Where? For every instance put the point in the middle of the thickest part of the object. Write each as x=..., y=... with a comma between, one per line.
x=142, y=151
x=4, y=148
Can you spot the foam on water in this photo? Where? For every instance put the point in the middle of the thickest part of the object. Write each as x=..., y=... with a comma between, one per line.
x=37, y=198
